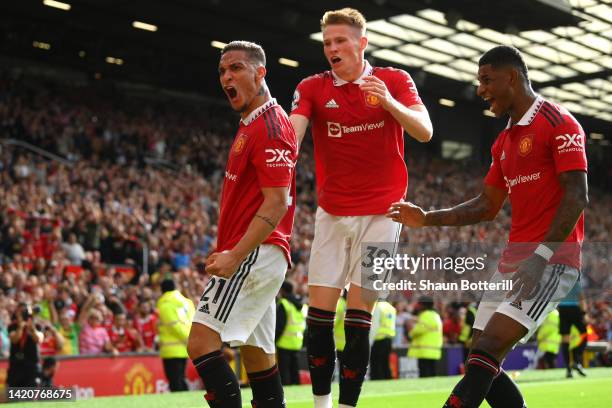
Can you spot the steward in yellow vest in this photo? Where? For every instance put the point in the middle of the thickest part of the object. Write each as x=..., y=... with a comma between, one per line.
x=426, y=338
x=465, y=337
x=175, y=315
x=383, y=331
x=549, y=340
x=292, y=336
x=290, y=326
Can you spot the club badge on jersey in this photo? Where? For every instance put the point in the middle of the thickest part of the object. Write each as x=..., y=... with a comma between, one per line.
x=372, y=101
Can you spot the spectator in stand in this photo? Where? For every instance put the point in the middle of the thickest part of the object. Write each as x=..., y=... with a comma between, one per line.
x=145, y=323
x=74, y=250
x=93, y=338
x=123, y=336
x=69, y=330
x=53, y=341
x=182, y=258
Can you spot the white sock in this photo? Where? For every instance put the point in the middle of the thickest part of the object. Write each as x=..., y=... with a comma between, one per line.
x=322, y=401
x=345, y=406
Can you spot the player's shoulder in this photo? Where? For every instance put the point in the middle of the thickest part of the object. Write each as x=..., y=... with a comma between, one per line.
x=271, y=123
x=390, y=72
x=316, y=79
x=554, y=116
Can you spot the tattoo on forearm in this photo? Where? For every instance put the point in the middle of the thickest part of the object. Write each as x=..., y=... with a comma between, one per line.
x=470, y=212
x=268, y=220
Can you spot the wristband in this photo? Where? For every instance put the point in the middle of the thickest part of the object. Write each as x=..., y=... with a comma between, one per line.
x=544, y=251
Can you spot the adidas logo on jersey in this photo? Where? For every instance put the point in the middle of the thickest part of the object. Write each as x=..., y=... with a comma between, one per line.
x=517, y=304
x=331, y=104
x=204, y=309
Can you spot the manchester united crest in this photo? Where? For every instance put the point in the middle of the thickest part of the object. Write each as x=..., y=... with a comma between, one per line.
x=239, y=144
x=525, y=145
x=372, y=100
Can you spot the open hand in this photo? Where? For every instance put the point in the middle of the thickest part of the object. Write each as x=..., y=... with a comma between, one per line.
x=526, y=280
x=406, y=213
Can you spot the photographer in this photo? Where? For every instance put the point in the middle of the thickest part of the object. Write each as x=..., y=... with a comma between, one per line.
x=24, y=357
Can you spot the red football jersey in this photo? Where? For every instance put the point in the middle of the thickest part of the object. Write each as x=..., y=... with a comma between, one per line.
x=527, y=159
x=122, y=339
x=359, y=146
x=263, y=155
x=147, y=327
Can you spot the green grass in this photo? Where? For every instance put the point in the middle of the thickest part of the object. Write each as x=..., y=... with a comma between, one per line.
x=541, y=389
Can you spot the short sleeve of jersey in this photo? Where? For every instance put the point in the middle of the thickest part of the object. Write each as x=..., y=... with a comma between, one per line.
x=302, y=98
x=405, y=90
x=274, y=161
x=495, y=176
x=568, y=146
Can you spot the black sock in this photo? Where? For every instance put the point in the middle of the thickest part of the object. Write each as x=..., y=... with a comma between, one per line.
x=320, y=349
x=355, y=356
x=566, y=355
x=481, y=368
x=267, y=388
x=222, y=388
x=504, y=393
x=579, y=351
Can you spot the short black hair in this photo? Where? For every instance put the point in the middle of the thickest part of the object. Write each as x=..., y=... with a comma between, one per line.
x=167, y=285
x=287, y=286
x=254, y=52
x=504, y=55
x=426, y=302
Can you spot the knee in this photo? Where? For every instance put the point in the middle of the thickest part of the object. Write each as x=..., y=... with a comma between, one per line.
x=198, y=346
x=256, y=359
x=492, y=344
x=194, y=348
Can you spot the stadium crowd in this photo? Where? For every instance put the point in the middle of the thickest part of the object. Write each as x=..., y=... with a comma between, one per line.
x=88, y=240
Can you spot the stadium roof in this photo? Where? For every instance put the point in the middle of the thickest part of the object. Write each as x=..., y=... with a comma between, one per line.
x=567, y=43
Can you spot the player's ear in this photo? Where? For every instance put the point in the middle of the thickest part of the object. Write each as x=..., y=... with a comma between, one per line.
x=260, y=72
x=515, y=76
x=363, y=43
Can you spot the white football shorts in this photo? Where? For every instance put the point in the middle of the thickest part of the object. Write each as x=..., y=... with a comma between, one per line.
x=337, y=257
x=556, y=283
x=242, y=309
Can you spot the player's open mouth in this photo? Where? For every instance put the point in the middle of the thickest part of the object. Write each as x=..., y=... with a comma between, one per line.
x=231, y=92
x=335, y=60
x=490, y=101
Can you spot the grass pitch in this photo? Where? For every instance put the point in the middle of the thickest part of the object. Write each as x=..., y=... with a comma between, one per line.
x=541, y=389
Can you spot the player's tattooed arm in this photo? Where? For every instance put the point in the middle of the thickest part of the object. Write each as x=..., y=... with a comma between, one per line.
x=268, y=220
x=267, y=217
x=484, y=207
x=470, y=212
x=574, y=201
